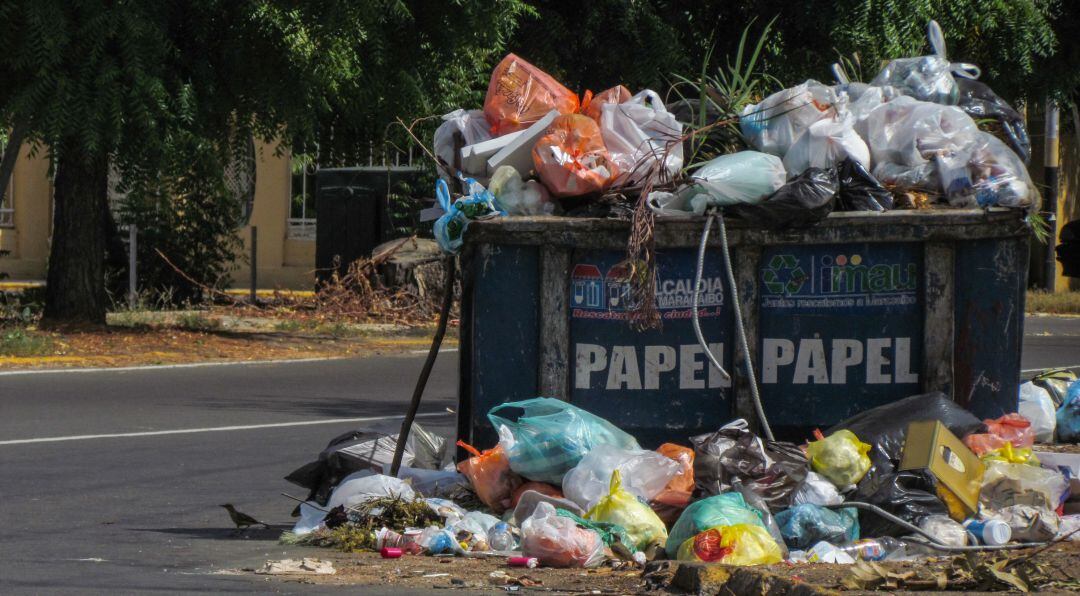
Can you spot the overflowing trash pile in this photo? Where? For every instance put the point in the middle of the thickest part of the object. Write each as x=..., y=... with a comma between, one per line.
x=906, y=140
x=565, y=488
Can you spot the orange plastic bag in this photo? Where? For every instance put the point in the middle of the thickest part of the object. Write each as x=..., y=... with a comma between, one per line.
x=1010, y=428
x=675, y=497
x=571, y=158
x=519, y=94
x=490, y=475
x=591, y=105
x=541, y=487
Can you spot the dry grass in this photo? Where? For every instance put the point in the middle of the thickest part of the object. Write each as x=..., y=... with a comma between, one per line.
x=1061, y=303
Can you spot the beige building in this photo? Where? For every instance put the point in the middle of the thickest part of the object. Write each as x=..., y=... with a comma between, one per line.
x=286, y=231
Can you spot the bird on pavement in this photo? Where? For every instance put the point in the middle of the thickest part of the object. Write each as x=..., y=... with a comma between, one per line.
x=242, y=520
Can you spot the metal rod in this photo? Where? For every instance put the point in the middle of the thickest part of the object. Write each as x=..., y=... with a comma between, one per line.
x=433, y=353
x=133, y=290
x=1051, y=178
x=254, y=262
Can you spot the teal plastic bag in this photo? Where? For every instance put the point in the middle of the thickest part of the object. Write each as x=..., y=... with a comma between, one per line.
x=544, y=438
x=1068, y=415
x=805, y=525
x=725, y=509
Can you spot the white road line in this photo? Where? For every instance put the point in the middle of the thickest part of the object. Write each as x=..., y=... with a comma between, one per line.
x=43, y=371
x=1032, y=370
x=442, y=351
x=186, y=431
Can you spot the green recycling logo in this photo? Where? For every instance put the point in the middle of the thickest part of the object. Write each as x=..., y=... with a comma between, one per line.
x=784, y=275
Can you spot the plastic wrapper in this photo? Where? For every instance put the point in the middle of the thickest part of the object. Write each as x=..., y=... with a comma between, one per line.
x=802, y=202
x=743, y=177
x=540, y=487
x=519, y=94
x=643, y=139
x=669, y=502
x=727, y=509
x=557, y=541
x=816, y=490
x=646, y=473
x=979, y=101
x=592, y=105
x=490, y=475
x=1012, y=455
x=1010, y=428
x=1037, y=406
x=825, y=144
x=571, y=159
x=545, y=438
x=622, y=508
x=363, y=486
x=944, y=529
x=1029, y=523
x=804, y=526
x=474, y=128
x=1068, y=415
x=986, y=173
x=841, y=457
x=1006, y=484
x=859, y=190
x=739, y=544
x=771, y=469
x=449, y=229
x=773, y=125
x=520, y=197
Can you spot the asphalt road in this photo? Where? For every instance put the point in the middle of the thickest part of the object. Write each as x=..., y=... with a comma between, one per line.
x=137, y=512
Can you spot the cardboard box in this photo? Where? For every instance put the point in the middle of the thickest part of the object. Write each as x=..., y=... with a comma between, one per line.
x=932, y=447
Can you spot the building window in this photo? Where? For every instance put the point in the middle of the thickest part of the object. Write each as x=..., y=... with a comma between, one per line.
x=7, y=205
x=302, y=204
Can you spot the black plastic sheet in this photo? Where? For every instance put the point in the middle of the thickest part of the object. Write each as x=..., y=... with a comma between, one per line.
x=805, y=200
x=734, y=455
x=859, y=190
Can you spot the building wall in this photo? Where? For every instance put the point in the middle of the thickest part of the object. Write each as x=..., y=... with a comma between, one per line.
x=281, y=262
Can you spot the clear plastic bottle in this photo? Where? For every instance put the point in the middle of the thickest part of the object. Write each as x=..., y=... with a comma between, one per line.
x=500, y=537
x=875, y=549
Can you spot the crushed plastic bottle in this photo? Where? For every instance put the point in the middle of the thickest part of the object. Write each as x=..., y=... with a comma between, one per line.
x=875, y=549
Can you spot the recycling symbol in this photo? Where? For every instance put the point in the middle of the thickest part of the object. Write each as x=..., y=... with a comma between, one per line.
x=784, y=275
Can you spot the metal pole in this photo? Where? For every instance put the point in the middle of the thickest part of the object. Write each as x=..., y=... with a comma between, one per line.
x=133, y=239
x=254, y=261
x=1052, y=178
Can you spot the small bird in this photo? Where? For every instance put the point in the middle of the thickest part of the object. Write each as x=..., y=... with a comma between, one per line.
x=242, y=520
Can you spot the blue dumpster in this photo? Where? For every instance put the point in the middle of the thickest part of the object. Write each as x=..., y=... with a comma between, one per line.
x=858, y=311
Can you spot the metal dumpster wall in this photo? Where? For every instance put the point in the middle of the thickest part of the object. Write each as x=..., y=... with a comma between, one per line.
x=858, y=311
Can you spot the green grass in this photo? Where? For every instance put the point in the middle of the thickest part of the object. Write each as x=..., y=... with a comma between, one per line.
x=194, y=321
x=1060, y=303
x=15, y=341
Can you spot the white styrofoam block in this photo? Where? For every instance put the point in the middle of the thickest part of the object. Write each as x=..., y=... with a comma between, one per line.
x=474, y=158
x=518, y=153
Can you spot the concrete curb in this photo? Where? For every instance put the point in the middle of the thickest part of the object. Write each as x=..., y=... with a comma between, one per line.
x=713, y=578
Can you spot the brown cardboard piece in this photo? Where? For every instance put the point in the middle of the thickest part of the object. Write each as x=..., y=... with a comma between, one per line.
x=932, y=447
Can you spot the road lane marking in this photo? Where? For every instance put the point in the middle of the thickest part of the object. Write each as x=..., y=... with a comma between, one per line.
x=441, y=351
x=42, y=371
x=187, y=431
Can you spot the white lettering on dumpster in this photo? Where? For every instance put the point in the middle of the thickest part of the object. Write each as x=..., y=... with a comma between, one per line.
x=885, y=360
x=624, y=370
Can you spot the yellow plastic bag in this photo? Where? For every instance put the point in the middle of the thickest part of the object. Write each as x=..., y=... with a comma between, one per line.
x=840, y=457
x=623, y=508
x=1013, y=455
x=741, y=544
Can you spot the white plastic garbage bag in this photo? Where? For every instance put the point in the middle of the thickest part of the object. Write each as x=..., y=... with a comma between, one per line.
x=310, y=519
x=825, y=144
x=1038, y=407
x=987, y=174
x=774, y=124
x=816, y=490
x=743, y=177
x=910, y=132
x=431, y=483
x=363, y=486
x=927, y=78
x=474, y=522
x=644, y=473
x=642, y=138
x=519, y=197
x=473, y=127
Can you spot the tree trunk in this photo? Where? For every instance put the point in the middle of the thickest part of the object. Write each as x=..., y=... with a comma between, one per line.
x=75, y=290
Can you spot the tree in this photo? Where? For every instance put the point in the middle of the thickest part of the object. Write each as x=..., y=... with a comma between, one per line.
x=103, y=84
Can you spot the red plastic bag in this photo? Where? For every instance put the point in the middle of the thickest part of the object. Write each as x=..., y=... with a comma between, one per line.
x=591, y=105
x=1010, y=428
x=541, y=487
x=490, y=475
x=675, y=497
x=519, y=94
x=571, y=158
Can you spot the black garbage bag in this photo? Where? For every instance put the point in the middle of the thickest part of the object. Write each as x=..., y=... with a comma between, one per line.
x=980, y=101
x=734, y=455
x=909, y=495
x=802, y=202
x=859, y=190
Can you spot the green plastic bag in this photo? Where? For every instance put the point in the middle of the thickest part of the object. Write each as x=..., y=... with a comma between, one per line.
x=725, y=509
x=622, y=508
x=544, y=437
x=840, y=457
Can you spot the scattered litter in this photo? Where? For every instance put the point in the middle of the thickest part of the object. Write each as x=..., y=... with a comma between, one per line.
x=306, y=566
